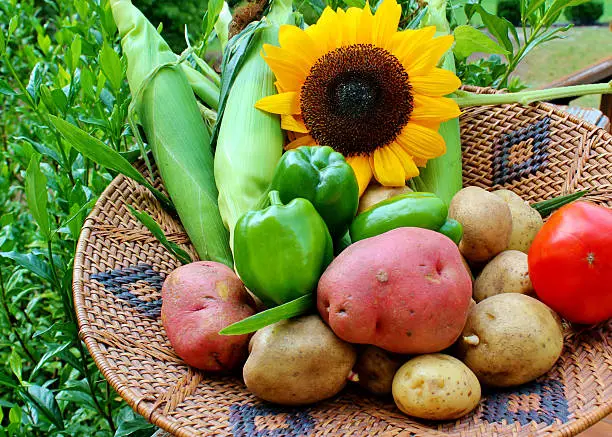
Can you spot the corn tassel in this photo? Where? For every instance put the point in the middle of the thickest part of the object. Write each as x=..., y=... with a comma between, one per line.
x=169, y=114
x=443, y=175
x=250, y=141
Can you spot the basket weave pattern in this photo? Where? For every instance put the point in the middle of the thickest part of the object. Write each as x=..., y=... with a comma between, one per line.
x=536, y=151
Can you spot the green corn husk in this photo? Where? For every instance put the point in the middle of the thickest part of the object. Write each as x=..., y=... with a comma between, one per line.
x=169, y=114
x=443, y=175
x=250, y=141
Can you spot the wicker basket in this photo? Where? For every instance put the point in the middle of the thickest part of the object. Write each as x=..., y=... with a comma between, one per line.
x=536, y=151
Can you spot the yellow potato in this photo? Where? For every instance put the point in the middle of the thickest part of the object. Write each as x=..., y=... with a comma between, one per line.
x=510, y=339
x=526, y=221
x=297, y=361
x=436, y=387
x=486, y=220
x=508, y=272
x=376, y=193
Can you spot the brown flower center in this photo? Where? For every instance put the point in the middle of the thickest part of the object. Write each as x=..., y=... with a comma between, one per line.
x=356, y=99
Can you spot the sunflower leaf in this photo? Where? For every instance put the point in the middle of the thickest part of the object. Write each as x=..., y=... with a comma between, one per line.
x=500, y=28
x=469, y=40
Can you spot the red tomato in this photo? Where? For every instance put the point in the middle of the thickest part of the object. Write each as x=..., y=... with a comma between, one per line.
x=570, y=262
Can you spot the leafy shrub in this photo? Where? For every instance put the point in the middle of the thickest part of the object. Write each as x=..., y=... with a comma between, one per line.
x=510, y=10
x=174, y=15
x=585, y=14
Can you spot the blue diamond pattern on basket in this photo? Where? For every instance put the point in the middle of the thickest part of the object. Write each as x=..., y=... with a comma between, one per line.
x=506, y=166
x=539, y=401
x=116, y=281
x=270, y=421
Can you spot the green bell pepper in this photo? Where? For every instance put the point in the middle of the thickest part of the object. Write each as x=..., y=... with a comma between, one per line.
x=452, y=229
x=323, y=177
x=420, y=210
x=281, y=251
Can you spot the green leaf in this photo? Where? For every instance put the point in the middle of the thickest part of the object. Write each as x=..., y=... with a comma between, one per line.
x=52, y=352
x=534, y=6
x=47, y=100
x=35, y=81
x=296, y=307
x=13, y=23
x=355, y=3
x=44, y=42
x=547, y=207
x=111, y=66
x=42, y=149
x=36, y=195
x=15, y=361
x=499, y=27
x=75, y=50
x=469, y=40
x=211, y=16
x=7, y=219
x=158, y=233
x=30, y=262
x=60, y=100
x=15, y=414
x=87, y=82
x=130, y=424
x=2, y=43
x=44, y=402
x=100, y=153
x=5, y=88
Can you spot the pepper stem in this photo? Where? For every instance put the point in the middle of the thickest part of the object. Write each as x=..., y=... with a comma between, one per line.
x=275, y=198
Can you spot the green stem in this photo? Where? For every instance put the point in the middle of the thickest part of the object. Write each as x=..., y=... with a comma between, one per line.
x=527, y=97
x=13, y=321
x=275, y=198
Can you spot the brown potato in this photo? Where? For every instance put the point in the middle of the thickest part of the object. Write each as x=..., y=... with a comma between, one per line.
x=526, y=221
x=486, y=220
x=436, y=387
x=508, y=272
x=376, y=193
x=297, y=361
x=376, y=368
x=510, y=339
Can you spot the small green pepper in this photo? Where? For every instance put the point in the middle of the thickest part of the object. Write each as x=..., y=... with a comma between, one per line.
x=452, y=229
x=281, y=251
x=323, y=177
x=420, y=210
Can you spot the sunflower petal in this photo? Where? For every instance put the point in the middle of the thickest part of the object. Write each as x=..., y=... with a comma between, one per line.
x=405, y=44
x=285, y=103
x=289, y=122
x=436, y=82
x=387, y=168
x=421, y=142
x=385, y=23
x=325, y=33
x=351, y=24
x=362, y=169
x=366, y=24
x=304, y=140
x=420, y=162
x=285, y=72
x=429, y=56
x=410, y=168
x=295, y=40
x=434, y=108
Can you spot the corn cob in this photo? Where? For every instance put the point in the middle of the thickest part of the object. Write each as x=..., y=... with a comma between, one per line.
x=169, y=114
x=443, y=175
x=250, y=141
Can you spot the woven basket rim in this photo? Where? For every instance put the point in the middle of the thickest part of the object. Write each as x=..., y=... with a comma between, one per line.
x=572, y=427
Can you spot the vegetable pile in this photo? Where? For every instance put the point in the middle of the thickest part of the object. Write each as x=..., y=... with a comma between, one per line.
x=358, y=256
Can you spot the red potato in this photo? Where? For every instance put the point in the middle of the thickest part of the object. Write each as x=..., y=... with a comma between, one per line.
x=198, y=300
x=406, y=291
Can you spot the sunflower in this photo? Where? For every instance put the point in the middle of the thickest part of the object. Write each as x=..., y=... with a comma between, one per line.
x=352, y=81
